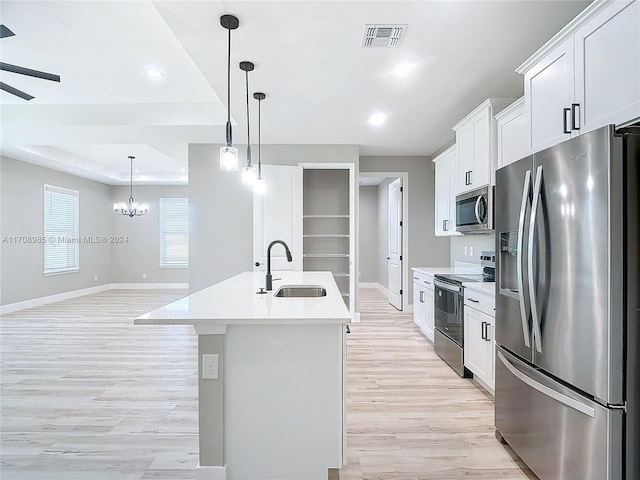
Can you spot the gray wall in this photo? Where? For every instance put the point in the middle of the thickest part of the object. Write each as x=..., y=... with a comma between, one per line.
x=221, y=209
x=21, y=213
x=142, y=233
x=368, y=234
x=424, y=248
x=478, y=242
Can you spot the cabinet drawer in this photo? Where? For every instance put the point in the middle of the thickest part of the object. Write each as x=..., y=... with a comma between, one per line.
x=423, y=279
x=480, y=301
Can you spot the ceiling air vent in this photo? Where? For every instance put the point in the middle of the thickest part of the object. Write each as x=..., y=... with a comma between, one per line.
x=386, y=36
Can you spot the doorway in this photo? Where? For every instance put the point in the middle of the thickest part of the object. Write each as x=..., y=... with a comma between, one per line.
x=383, y=239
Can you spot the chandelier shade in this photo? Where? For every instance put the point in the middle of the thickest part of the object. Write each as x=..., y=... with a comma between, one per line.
x=131, y=208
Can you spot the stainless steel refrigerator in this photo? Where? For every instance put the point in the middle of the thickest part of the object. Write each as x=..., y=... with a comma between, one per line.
x=567, y=310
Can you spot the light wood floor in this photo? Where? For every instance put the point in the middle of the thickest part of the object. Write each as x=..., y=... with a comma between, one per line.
x=86, y=395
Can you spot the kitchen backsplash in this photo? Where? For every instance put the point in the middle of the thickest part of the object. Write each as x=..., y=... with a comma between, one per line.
x=467, y=248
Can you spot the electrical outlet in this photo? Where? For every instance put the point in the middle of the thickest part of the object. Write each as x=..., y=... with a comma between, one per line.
x=471, y=250
x=210, y=366
x=144, y=276
x=466, y=250
x=95, y=278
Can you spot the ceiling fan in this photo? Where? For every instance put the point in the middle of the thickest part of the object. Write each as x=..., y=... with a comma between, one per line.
x=7, y=67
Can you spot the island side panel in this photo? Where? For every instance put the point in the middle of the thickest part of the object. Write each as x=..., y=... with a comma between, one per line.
x=211, y=404
x=283, y=401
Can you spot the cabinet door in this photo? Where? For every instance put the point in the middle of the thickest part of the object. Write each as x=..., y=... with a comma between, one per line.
x=442, y=196
x=429, y=313
x=465, y=149
x=477, y=349
x=548, y=90
x=453, y=191
x=481, y=169
x=512, y=143
x=608, y=66
x=419, y=300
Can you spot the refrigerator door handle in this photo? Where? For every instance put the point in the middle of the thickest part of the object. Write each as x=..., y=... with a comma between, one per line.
x=549, y=392
x=523, y=209
x=537, y=334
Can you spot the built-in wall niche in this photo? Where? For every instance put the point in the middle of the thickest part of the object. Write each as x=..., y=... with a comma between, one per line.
x=327, y=225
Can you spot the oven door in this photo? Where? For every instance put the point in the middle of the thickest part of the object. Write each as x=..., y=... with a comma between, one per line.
x=448, y=311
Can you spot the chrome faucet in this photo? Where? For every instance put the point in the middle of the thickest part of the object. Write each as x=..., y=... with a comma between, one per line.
x=269, y=277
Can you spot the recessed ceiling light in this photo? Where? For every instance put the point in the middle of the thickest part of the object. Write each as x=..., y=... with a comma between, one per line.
x=154, y=73
x=377, y=119
x=403, y=69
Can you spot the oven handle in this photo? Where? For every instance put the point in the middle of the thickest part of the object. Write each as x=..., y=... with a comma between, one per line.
x=446, y=286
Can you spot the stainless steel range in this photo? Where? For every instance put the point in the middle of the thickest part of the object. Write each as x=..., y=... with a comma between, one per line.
x=449, y=312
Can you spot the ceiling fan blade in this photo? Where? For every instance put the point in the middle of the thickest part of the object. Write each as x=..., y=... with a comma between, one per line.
x=15, y=91
x=5, y=32
x=7, y=67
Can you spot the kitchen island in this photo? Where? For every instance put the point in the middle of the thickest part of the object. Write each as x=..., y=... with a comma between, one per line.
x=276, y=409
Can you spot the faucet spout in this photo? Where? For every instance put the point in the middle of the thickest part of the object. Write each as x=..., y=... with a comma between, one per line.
x=269, y=277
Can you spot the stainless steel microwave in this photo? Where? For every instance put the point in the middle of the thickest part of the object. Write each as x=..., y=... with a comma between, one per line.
x=474, y=211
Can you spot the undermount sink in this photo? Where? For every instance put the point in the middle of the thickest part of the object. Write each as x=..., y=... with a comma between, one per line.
x=301, y=291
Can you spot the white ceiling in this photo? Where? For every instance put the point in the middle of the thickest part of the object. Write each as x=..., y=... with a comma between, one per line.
x=321, y=85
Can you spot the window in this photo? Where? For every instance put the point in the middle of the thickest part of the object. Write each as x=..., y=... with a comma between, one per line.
x=61, y=247
x=174, y=232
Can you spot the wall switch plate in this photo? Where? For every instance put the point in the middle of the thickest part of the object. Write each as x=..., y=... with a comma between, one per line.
x=471, y=250
x=210, y=366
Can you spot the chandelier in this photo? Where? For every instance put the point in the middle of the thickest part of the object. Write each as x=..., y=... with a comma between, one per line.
x=131, y=208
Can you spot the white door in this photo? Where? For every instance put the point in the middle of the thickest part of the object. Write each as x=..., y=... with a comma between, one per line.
x=277, y=215
x=395, y=243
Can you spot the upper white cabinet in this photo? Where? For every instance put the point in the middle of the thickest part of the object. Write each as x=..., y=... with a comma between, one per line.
x=446, y=186
x=512, y=134
x=476, y=145
x=585, y=77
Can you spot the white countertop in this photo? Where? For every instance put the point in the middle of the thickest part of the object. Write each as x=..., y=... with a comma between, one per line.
x=235, y=302
x=488, y=288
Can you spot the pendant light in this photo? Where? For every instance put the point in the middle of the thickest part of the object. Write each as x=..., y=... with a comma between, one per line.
x=229, y=153
x=249, y=171
x=131, y=208
x=259, y=186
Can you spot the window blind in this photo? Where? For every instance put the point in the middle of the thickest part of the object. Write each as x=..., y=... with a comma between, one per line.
x=174, y=232
x=61, y=247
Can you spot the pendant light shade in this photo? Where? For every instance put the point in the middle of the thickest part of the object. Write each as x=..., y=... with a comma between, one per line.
x=249, y=171
x=259, y=185
x=229, y=153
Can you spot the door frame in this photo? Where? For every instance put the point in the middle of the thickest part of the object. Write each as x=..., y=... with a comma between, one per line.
x=353, y=225
x=406, y=307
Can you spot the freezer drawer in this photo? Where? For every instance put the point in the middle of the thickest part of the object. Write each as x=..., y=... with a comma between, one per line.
x=558, y=433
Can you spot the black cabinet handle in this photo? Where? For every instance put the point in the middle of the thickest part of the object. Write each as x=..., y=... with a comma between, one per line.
x=472, y=300
x=470, y=178
x=565, y=124
x=483, y=334
x=575, y=116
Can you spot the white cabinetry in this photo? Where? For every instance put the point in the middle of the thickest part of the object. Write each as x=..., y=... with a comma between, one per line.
x=446, y=187
x=476, y=145
x=479, y=342
x=585, y=77
x=423, y=304
x=512, y=134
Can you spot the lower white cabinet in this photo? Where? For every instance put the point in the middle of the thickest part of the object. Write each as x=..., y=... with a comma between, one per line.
x=423, y=306
x=479, y=341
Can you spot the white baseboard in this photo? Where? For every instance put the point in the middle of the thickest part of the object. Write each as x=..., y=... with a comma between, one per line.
x=36, y=302
x=211, y=472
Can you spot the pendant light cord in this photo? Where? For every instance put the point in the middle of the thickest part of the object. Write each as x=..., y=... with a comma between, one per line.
x=131, y=179
x=259, y=142
x=246, y=75
x=229, y=140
